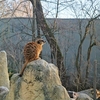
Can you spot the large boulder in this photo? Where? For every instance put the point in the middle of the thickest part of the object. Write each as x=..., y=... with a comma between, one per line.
x=4, y=77
x=79, y=96
x=40, y=81
x=83, y=96
x=90, y=93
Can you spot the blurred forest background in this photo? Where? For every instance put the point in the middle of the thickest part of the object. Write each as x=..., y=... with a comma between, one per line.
x=71, y=29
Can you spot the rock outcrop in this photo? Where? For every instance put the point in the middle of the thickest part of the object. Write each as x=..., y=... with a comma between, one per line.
x=90, y=93
x=4, y=77
x=87, y=94
x=40, y=81
x=83, y=96
x=3, y=92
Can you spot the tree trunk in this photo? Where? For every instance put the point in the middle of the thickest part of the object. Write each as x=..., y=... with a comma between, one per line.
x=79, y=54
x=33, y=20
x=88, y=63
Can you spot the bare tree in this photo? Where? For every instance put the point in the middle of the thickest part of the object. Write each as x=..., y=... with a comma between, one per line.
x=93, y=15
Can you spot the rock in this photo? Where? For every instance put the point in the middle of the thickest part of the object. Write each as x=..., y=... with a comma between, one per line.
x=40, y=81
x=3, y=92
x=90, y=92
x=87, y=94
x=83, y=96
x=4, y=77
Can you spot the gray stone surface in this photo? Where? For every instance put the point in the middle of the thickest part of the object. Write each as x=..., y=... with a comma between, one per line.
x=40, y=81
x=4, y=77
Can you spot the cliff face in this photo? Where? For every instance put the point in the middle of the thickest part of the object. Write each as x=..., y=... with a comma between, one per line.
x=40, y=81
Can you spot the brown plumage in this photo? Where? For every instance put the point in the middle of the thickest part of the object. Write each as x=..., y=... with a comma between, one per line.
x=32, y=51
